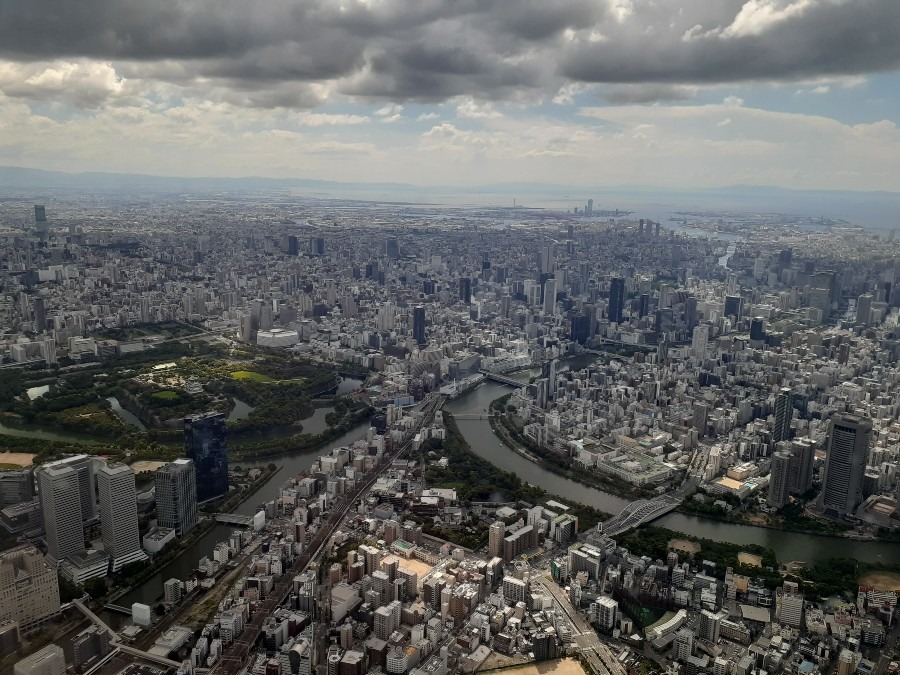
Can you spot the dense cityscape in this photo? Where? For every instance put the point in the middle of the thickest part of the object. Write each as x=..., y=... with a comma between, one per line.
x=266, y=433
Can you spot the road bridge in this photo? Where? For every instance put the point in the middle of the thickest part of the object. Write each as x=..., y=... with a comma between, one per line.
x=234, y=519
x=639, y=512
x=117, y=608
x=502, y=379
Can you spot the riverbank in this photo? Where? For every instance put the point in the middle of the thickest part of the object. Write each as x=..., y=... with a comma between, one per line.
x=505, y=429
x=509, y=436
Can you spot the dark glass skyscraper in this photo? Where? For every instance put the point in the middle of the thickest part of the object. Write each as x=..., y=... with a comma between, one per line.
x=616, y=299
x=419, y=325
x=465, y=290
x=205, y=444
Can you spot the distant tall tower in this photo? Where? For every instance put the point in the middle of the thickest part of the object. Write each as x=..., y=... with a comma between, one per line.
x=40, y=315
x=118, y=515
x=784, y=410
x=550, y=296
x=616, y=299
x=419, y=325
x=845, y=464
x=864, y=309
x=779, y=480
x=176, y=496
x=465, y=290
x=59, y=491
x=700, y=341
x=205, y=444
x=589, y=209
x=40, y=221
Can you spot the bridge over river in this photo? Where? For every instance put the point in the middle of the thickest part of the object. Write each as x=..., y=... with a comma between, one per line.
x=639, y=512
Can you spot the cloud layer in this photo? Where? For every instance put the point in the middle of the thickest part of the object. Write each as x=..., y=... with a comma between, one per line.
x=284, y=53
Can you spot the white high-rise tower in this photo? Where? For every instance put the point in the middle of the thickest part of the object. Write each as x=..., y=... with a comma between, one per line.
x=118, y=515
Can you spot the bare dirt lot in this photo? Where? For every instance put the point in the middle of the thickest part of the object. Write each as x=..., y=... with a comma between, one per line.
x=16, y=458
x=684, y=546
x=750, y=559
x=560, y=667
x=883, y=581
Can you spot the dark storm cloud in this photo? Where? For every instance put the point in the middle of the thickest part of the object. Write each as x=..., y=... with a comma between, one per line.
x=824, y=38
x=270, y=52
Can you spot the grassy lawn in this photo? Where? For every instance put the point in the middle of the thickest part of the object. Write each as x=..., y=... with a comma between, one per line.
x=166, y=395
x=5, y=465
x=250, y=375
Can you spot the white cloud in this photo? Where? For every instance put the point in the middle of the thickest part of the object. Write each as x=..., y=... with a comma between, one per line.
x=470, y=109
x=425, y=117
x=310, y=119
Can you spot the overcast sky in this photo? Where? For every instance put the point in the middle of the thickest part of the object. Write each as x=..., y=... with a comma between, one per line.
x=679, y=93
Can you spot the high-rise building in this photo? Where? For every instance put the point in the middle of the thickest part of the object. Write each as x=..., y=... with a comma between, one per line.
x=465, y=290
x=803, y=457
x=60, y=498
x=16, y=486
x=40, y=315
x=205, y=444
x=176, y=496
x=48, y=661
x=779, y=480
x=700, y=341
x=616, y=299
x=784, y=410
x=845, y=464
x=864, y=309
x=496, y=533
x=709, y=626
x=83, y=465
x=733, y=306
x=606, y=613
x=550, y=296
x=118, y=515
x=29, y=588
x=419, y=325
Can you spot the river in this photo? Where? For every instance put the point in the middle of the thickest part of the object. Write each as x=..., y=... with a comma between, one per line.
x=787, y=545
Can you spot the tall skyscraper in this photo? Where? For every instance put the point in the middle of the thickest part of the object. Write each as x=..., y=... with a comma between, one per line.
x=419, y=325
x=779, y=480
x=864, y=309
x=83, y=465
x=784, y=410
x=616, y=299
x=465, y=290
x=176, y=496
x=845, y=464
x=118, y=515
x=700, y=341
x=803, y=457
x=40, y=315
x=550, y=296
x=60, y=499
x=205, y=444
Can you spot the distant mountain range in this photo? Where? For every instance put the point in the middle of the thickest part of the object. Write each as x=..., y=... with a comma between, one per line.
x=879, y=210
